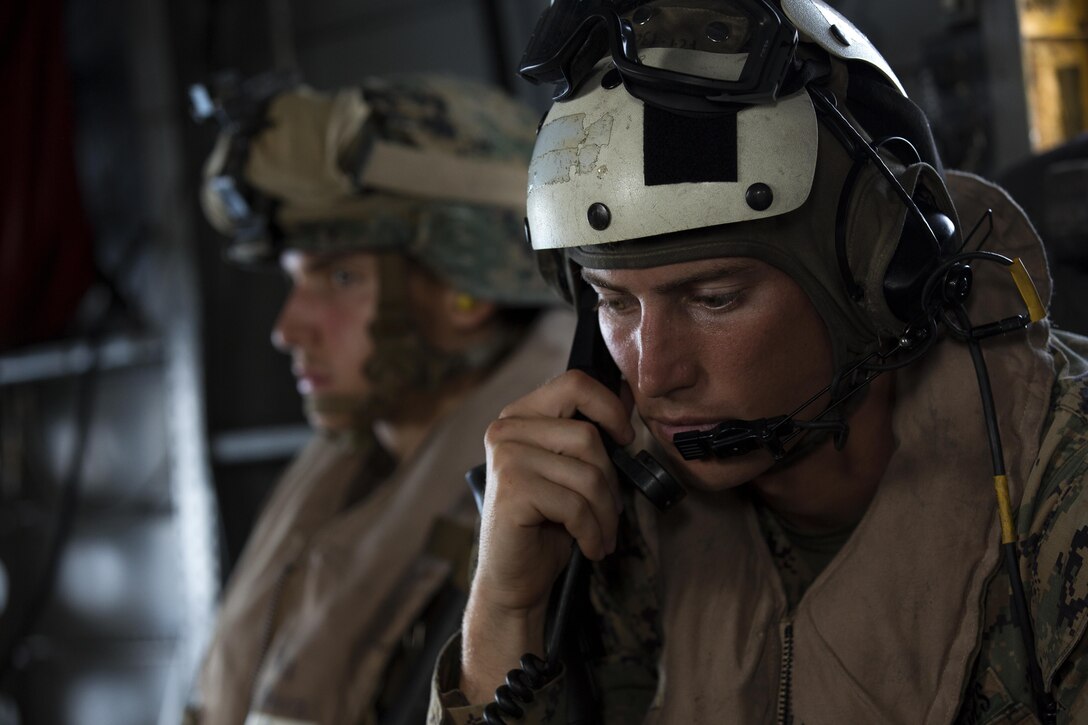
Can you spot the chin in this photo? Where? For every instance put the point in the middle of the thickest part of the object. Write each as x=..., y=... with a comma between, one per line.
x=333, y=412
x=328, y=423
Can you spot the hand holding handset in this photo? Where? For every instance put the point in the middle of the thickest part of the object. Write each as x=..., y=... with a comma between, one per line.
x=590, y=355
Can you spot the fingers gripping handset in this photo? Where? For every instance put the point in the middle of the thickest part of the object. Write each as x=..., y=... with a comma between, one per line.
x=554, y=475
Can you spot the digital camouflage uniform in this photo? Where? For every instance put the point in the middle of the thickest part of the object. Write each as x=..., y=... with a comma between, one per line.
x=1054, y=549
x=986, y=674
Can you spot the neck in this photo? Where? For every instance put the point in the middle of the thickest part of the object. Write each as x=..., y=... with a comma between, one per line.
x=828, y=489
x=402, y=435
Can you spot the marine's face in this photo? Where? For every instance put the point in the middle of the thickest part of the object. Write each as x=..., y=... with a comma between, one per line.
x=706, y=341
x=325, y=326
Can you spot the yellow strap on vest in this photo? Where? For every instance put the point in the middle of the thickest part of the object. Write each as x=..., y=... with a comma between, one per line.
x=1027, y=289
x=1004, y=510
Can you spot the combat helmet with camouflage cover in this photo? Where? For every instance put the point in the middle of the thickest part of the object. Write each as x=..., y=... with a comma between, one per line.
x=431, y=166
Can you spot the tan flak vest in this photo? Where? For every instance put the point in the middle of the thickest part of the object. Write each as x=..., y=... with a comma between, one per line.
x=322, y=597
x=888, y=631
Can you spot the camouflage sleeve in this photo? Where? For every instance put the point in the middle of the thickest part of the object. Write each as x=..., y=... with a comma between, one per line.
x=449, y=706
x=1057, y=550
x=1055, y=546
x=1071, y=687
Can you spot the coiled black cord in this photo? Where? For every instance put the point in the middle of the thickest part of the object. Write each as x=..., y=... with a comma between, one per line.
x=518, y=690
x=534, y=672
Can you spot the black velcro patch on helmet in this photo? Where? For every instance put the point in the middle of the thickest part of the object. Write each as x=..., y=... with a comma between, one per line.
x=688, y=149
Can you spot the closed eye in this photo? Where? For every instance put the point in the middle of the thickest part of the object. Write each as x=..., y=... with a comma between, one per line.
x=715, y=301
x=613, y=304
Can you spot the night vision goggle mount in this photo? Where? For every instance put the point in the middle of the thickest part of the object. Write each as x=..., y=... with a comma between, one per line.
x=240, y=107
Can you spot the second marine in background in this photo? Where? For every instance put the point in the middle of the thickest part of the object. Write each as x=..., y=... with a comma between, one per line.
x=396, y=211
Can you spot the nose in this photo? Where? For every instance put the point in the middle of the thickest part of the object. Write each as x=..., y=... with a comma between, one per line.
x=294, y=325
x=666, y=361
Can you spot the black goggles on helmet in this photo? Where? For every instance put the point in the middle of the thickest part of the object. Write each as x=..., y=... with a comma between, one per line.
x=728, y=51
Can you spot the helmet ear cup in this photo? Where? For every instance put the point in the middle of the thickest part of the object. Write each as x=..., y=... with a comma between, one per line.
x=886, y=252
x=920, y=248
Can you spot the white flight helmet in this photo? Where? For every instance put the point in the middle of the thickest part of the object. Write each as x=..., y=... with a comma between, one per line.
x=652, y=157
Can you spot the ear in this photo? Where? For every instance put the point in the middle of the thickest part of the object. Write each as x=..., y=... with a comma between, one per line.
x=464, y=312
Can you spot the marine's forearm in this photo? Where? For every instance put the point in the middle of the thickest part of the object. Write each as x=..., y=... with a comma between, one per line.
x=493, y=642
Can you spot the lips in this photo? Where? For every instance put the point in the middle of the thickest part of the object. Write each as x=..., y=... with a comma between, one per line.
x=664, y=429
x=309, y=380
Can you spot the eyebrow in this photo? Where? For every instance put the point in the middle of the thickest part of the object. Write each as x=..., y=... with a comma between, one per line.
x=713, y=274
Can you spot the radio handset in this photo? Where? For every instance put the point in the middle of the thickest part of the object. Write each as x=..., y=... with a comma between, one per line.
x=590, y=355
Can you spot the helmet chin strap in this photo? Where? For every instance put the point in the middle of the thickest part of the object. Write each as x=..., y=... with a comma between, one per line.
x=948, y=285
x=739, y=437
